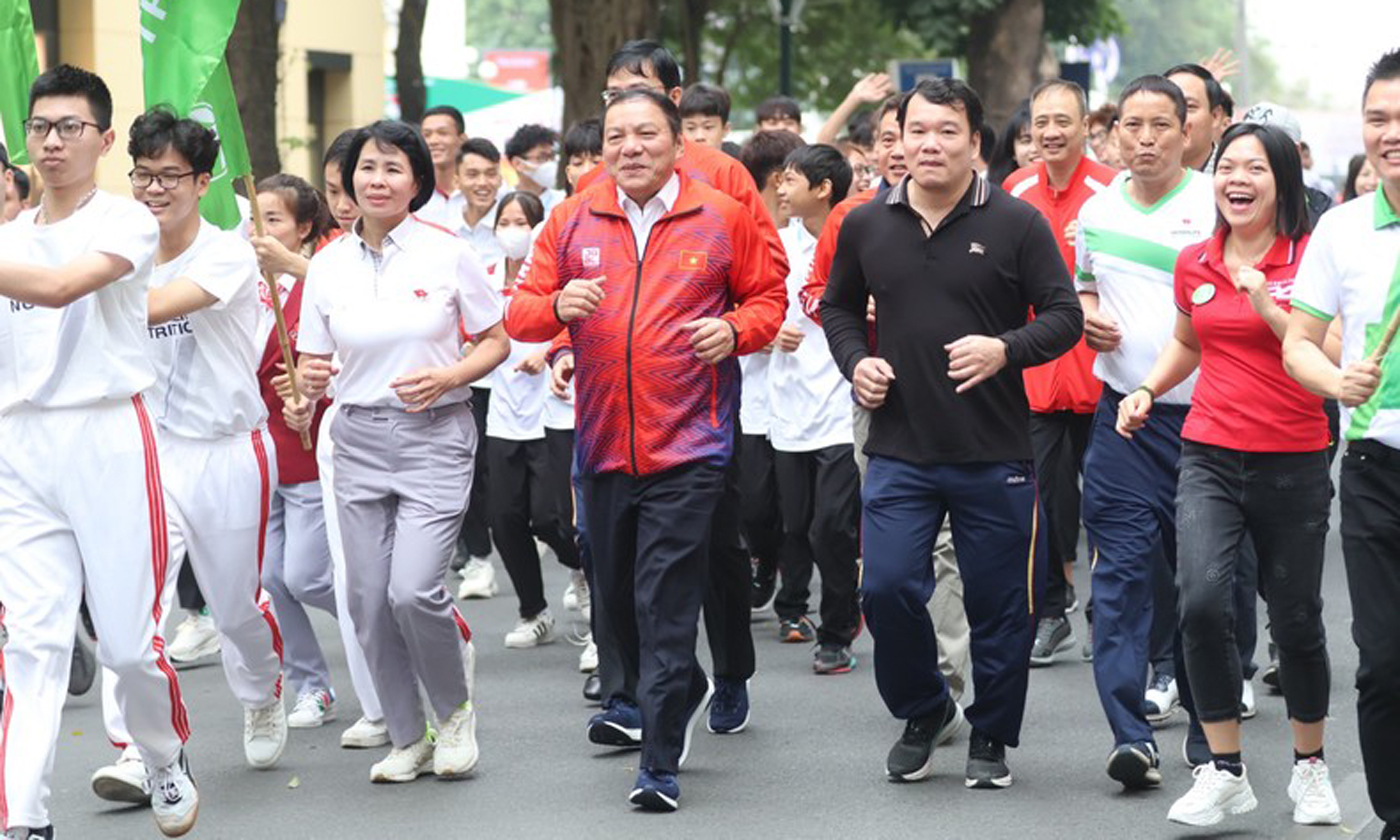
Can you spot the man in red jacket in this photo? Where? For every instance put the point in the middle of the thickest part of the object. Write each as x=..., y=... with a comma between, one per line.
x=1064, y=393
x=660, y=280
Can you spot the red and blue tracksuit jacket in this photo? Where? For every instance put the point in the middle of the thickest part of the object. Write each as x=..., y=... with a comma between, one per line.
x=644, y=402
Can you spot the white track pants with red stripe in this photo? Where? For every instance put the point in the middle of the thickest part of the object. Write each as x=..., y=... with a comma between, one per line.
x=80, y=503
x=218, y=494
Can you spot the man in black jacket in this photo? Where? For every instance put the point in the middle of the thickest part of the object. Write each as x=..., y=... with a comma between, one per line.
x=953, y=264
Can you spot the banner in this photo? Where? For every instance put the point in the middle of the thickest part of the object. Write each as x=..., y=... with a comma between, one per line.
x=19, y=65
x=182, y=52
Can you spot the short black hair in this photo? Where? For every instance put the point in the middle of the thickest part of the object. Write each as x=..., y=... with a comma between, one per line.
x=893, y=102
x=305, y=201
x=861, y=130
x=702, y=100
x=159, y=129
x=1159, y=85
x=4, y=158
x=21, y=183
x=1386, y=68
x=529, y=137
x=988, y=147
x=392, y=134
x=668, y=107
x=1003, y=160
x=481, y=147
x=1062, y=84
x=1215, y=94
x=646, y=58
x=1227, y=103
x=530, y=205
x=764, y=153
x=584, y=137
x=777, y=108
x=820, y=162
x=952, y=92
x=447, y=111
x=339, y=148
x=67, y=80
x=1291, y=216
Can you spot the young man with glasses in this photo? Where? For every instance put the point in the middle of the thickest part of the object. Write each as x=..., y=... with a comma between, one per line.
x=81, y=501
x=207, y=406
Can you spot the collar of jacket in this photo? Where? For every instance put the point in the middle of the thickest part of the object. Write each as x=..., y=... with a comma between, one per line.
x=606, y=204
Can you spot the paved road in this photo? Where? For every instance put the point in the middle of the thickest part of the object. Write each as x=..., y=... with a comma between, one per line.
x=809, y=766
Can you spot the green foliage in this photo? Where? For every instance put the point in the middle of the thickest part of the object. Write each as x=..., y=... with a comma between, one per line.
x=1159, y=35
x=508, y=24
x=944, y=23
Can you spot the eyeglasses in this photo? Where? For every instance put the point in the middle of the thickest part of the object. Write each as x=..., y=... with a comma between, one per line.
x=612, y=93
x=69, y=128
x=141, y=179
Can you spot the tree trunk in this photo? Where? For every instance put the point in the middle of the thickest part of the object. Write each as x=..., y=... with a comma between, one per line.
x=252, y=57
x=693, y=14
x=1004, y=48
x=587, y=32
x=408, y=61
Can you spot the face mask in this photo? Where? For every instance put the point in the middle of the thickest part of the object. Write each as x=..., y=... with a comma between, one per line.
x=545, y=174
x=515, y=241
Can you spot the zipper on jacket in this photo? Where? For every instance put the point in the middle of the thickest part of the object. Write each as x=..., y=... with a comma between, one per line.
x=631, y=325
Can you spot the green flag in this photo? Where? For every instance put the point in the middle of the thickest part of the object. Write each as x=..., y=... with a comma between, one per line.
x=182, y=51
x=19, y=64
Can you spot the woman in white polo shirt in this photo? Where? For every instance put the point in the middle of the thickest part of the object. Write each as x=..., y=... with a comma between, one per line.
x=388, y=298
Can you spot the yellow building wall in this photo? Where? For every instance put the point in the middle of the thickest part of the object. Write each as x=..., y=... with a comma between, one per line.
x=102, y=35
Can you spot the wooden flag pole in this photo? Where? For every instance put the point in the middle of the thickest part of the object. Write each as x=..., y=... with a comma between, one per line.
x=282, y=339
x=1384, y=346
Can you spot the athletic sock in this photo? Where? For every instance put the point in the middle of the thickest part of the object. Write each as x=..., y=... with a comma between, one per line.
x=1229, y=762
x=1297, y=756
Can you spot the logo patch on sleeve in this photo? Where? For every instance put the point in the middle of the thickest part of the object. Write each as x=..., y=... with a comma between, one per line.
x=693, y=260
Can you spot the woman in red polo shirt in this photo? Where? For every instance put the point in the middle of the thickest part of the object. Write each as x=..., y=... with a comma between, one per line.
x=1253, y=461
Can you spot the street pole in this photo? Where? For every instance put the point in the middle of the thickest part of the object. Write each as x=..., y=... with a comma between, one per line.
x=785, y=48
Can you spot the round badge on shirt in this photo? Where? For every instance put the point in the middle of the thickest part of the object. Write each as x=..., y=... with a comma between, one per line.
x=1204, y=294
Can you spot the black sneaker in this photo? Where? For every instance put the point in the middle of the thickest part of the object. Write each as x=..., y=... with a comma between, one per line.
x=1270, y=676
x=986, y=763
x=833, y=659
x=1195, y=750
x=911, y=757
x=797, y=631
x=764, y=586
x=84, y=670
x=1135, y=766
x=1052, y=636
x=1391, y=831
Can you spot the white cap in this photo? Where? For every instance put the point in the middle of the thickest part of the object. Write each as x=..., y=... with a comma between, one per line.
x=1269, y=113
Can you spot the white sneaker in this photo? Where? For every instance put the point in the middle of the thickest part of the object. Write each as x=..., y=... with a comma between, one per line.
x=312, y=709
x=1215, y=794
x=1248, y=709
x=456, y=753
x=365, y=734
x=1161, y=700
x=588, y=657
x=577, y=597
x=124, y=781
x=1314, y=802
x=195, y=638
x=529, y=632
x=174, y=798
x=264, y=734
x=478, y=580
x=404, y=765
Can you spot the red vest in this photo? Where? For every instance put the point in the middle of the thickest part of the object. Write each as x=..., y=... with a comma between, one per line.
x=295, y=465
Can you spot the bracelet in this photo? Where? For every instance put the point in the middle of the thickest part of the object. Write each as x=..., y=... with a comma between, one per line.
x=1146, y=390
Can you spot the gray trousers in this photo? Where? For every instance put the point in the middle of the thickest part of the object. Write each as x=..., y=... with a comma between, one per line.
x=946, y=607
x=297, y=573
x=401, y=484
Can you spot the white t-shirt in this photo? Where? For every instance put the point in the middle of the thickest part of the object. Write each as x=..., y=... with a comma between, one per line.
x=439, y=209
x=1352, y=268
x=481, y=236
x=1126, y=253
x=516, y=410
x=391, y=313
x=754, y=415
x=93, y=349
x=810, y=401
x=207, y=362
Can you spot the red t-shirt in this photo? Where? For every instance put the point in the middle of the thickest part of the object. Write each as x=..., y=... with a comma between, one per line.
x=1067, y=383
x=1244, y=399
